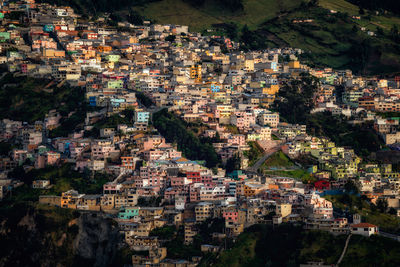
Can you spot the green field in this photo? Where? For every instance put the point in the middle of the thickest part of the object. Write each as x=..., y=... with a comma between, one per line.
x=279, y=159
x=178, y=12
x=384, y=21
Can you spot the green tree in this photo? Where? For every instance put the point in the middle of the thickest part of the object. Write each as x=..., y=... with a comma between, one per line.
x=170, y=38
x=295, y=99
x=382, y=205
x=135, y=18
x=233, y=163
x=394, y=33
x=350, y=187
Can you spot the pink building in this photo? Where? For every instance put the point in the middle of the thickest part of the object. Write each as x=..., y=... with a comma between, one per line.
x=52, y=157
x=101, y=151
x=177, y=181
x=194, y=194
x=230, y=216
x=111, y=188
x=243, y=120
x=153, y=154
x=237, y=139
x=80, y=165
x=152, y=142
x=170, y=193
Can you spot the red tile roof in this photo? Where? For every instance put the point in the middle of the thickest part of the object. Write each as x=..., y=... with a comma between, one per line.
x=363, y=225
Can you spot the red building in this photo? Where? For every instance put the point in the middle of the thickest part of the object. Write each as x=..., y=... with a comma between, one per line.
x=322, y=185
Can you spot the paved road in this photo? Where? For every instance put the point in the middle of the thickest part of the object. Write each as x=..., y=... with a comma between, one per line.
x=344, y=250
x=391, y=236
x=266, y=155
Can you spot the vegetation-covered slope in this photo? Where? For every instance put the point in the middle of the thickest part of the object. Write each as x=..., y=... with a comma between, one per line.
x=287, y=245
x=27, y=99
x=175, y=131
x=332, y=39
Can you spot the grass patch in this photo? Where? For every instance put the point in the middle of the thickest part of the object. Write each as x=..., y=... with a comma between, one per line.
x=254, y=154
x=232, y=129
x=278, y=159
x=198, y=19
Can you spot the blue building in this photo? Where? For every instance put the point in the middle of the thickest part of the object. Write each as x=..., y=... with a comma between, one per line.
x=128, y=213
x=142, y=116
x=215, y=88
x=92, y=101
x=48, y=28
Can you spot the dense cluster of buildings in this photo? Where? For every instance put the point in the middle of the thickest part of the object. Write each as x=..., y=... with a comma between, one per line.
x=228, y=91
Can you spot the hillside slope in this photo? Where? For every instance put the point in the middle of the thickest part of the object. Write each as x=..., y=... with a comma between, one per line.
x=287, y=245
x=341, y=35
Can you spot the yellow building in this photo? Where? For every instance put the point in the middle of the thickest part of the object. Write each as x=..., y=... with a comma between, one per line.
x=203, y=211
x=271, y=89
x=294, y=64
x=250, y=190
x=283, y=210
x=70, y=199
x=195, y=73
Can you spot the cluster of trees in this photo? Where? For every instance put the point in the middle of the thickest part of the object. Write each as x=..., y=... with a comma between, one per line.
x=231, y=5
x=379, y=213
x=111, y=122
x=288, y=245
x=94, y=7
x=254, y=153
x=230, y=29
x=252, y=40
x=134, y=17
x=175, y=131
x=285, y=245
x=294, y=103
x=19, y=98
x=232, y=164
x=361, y=138
x=20, y=245
x=152, y=201
x=249, y=39
x=389, y=5
x=62, y=178
x=295, y=99
x=394, y=33
x=144, y=99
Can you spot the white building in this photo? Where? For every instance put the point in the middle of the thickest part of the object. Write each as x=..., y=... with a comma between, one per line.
x=365, y=229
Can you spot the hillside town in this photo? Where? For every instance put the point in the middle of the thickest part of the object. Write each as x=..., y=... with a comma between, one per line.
x=142, y=79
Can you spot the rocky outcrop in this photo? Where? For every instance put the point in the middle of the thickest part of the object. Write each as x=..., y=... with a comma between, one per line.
x=33, y=235
x=97, y=239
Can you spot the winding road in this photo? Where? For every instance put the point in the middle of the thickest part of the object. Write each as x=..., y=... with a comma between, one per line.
x=266, y=155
